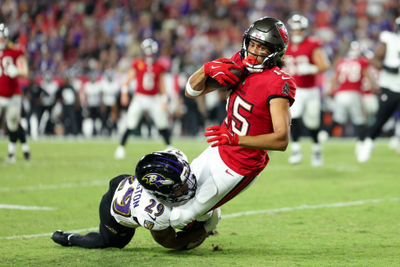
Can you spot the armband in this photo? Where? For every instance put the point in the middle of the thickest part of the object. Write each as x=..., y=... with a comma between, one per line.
x=191, y=91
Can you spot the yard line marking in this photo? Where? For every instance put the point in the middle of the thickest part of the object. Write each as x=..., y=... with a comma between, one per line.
x=308, y=207
x=246, y=213
x=47, y=234
x=19, y=207
x=53, y=186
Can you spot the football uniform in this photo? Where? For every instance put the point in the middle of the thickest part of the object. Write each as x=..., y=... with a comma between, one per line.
x=10, y=90
x=147, y=97
x=348, y=94
x=308, y=103
x=223, y=172
x=133, y=206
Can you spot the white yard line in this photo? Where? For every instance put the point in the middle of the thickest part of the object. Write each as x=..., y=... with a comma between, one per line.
x=19, y=207
x=246, y=213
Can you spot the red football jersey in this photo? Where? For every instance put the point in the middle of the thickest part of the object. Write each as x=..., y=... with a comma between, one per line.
x=148, y=76
x=350, y=73
x=248, y=114
x=9, y=86
x=297, y=54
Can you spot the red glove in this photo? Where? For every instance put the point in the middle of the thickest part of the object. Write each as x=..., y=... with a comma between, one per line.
x=221, y=136
x=219, y=70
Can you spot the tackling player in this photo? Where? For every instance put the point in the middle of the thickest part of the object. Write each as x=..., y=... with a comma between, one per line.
x=162, y=180
x=305, y=59
x=346, y=87
x=387, y=60
x=13, y=64
x=257, y=120
x=150, y=95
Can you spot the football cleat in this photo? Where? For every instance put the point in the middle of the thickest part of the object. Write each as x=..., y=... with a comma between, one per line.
x=119, y=153
x=365, y=151
x=316, y=159
x=27, y=156
x=11, y=158
x=295, y=158
x=61, y=238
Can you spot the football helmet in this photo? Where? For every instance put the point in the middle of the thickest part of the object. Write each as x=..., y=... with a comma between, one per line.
x=3, y=36
x=149, y=47
x=270, y=32
x=167, y=176
x=355, y=50
x=299, y=24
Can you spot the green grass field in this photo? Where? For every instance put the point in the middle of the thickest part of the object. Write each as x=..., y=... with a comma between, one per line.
x=342, y=214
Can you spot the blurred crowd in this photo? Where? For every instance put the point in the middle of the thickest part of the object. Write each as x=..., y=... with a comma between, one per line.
x=88, y=46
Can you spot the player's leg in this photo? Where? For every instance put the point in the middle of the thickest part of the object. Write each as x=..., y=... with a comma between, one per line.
x=388, y=102
x=358, y=119
x=296, y=126
x=160, y=117
x=312, y=120
x=13, y=114
x=111, y=234
x=134, y=113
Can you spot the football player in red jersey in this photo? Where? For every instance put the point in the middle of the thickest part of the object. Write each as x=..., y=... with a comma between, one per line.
x=258, y=118
x=150, y=94
x=305, y=59
x=346, y=87
x=12, y=65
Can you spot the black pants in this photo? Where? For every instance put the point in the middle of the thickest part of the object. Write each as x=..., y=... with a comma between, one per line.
x=389, y=101
x=111, y=233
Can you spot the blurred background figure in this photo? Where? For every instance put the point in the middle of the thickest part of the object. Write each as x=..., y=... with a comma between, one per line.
x=346, y=89
x=150, y=95
x=48, y=100
x=305, y=59
x=92, y=123
x=13, y=65
x=387, y=60
x=109, y=87
x=68, y=97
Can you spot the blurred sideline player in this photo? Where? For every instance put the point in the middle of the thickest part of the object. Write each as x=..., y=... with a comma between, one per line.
x=258, y=118
x=13, y=65
x=162, y=180
x=387, y=60
x=346, y=88
x=304, y=59
x=150, y=95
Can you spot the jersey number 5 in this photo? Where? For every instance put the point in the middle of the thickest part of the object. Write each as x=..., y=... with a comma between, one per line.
x=240, y=125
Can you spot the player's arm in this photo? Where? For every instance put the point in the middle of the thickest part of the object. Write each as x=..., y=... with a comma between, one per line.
x=333, y=83
x=370, y=79
x=22, y=66
x=379, y=55
x=277, y=140
x=125, y=87
x=321, y=60
x=163, y=92
x=196, y=84
x=169, y=238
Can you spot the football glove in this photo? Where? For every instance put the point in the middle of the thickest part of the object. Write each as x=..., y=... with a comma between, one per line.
x=219, y=70
x=221, y=136
x=12, y=71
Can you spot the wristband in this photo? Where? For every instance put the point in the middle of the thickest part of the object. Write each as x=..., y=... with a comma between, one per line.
x=191, y=91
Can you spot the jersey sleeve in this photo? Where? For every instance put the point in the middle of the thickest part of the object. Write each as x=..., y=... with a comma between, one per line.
x=283, y=86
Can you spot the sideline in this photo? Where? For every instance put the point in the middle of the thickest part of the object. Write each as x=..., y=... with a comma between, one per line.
x=246, y=213
x=19, y=207
x=54, y=186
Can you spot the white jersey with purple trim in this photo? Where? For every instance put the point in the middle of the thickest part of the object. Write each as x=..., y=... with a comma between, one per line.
x=133, y=206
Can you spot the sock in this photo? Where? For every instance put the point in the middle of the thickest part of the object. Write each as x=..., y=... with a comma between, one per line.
x=165, y=134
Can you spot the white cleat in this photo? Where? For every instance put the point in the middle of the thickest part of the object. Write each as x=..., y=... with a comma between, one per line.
x=316, y=157
x=119, y=153
x=366, y=150
x=11, y=158
x=295, y=158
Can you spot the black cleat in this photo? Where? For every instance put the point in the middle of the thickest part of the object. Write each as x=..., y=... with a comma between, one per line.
x=61, y=238
x=27, y=156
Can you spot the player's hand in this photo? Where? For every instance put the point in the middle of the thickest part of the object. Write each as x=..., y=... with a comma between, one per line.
x=219, y=70
x=124, y=99
x=306, y=69
x=221, y=136
x=12, y=71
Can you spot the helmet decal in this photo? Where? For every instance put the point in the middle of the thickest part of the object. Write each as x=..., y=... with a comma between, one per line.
x=283, y=32
x=157, y=180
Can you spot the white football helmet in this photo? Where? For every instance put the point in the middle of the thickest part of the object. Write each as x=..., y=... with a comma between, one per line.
x=149, y=47
x=3, y=36
x=298, y=23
